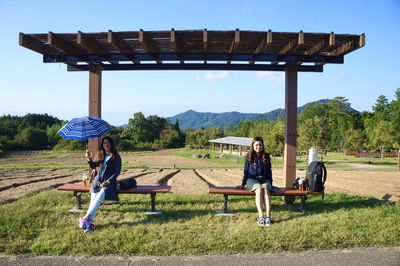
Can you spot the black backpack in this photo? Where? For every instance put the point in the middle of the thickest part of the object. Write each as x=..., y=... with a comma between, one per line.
x=127, y=183
x=316, y=177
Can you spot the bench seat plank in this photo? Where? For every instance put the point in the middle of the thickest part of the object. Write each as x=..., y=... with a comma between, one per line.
x=78, y=188
x=233, y=191
x=279, y=192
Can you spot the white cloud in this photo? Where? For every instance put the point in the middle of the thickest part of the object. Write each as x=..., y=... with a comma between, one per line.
x=213, y=76
x=271, y=76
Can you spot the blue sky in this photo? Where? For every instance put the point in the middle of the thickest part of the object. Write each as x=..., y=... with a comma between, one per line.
x=29, y=86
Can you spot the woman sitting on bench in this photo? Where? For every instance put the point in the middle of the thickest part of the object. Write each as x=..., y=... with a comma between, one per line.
x=104, y=185
x=258, y=177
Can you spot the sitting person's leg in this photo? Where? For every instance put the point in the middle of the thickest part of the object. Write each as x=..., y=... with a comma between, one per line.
x=266, y=188
x=95, y=204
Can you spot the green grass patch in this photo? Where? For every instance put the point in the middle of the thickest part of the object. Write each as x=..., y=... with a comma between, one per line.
x=41, y=225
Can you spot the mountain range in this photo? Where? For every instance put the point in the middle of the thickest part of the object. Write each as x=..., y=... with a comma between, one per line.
x=195, y=120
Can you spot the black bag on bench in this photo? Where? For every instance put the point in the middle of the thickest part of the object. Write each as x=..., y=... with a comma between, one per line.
x=127, y=183
x=316, y=176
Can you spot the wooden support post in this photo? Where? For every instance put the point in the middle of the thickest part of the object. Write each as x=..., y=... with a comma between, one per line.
x=94, y=102
x=398, y=160
x=289, y=163
x=221, y=147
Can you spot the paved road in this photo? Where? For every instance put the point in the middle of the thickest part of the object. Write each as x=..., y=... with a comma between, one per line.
x=359, y=256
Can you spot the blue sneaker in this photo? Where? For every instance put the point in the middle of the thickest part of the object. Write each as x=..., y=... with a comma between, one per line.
x=261, y=221
x=89, y=228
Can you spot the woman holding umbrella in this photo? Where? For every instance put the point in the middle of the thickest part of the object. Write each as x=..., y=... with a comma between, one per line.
x=104, y=185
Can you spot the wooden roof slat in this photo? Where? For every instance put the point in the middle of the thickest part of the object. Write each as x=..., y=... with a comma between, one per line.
x=205, y=42
x=294, y=44
x=176, y=44
x=322, y=46
x=120, y=45
x=349, y=46
x=36, y=45
x=91, y=45
x=57, y=41
x=262, y=46
x=148, y=45
x=234, y=44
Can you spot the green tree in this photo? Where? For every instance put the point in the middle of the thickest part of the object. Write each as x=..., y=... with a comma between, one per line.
x=381, y=136
x=170, y=139
x=394, y=110
x=31, y=139
x=313, y=127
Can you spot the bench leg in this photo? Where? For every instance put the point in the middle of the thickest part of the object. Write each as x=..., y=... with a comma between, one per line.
x=78, y=207
x=225, y=211
x=303, y=203
x=153, y=210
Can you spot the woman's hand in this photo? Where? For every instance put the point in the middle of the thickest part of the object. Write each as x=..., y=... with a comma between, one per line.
x=105, y=184
x=88, y=155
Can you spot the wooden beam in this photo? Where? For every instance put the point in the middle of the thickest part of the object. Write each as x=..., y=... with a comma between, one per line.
x=235, y=41
x=120, y=45
x=292, y=59
x=61, y=44
x=194, y=66
x=91, y=45
x=349, y=46
x=147, y=44
x=88, y=43
x=361, y=40
x=322, y=46
x=176, y=45
x=205, y=47
x=262, y=46
x=234, y=44
x=293, y=45
x=36, y=45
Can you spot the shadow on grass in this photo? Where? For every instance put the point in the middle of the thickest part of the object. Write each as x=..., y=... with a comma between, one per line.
x=184, y=208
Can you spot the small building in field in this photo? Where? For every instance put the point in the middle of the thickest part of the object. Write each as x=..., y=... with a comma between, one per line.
x=237, y=145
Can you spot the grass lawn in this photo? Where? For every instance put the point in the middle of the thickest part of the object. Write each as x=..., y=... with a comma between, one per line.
x=40, y=225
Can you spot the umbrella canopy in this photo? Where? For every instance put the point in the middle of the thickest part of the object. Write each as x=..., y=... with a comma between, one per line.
x=84, y=128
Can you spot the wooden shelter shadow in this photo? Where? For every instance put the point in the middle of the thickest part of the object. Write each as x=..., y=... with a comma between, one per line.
x=166, y=217
x=323, y=206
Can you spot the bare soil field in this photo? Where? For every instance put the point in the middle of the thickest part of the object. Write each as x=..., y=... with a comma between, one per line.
x=173, y=171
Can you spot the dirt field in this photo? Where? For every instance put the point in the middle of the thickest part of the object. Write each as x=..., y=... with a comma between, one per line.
x=363, y=180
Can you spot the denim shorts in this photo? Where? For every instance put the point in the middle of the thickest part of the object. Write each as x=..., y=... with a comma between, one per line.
x=252, y=184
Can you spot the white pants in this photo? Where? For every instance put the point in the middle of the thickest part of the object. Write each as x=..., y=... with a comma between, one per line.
x=95, y=201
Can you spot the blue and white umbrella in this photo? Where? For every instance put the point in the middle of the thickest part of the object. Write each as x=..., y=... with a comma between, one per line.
x=84, y=128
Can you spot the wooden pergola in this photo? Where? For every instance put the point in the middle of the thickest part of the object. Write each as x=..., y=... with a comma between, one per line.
x=291, y=52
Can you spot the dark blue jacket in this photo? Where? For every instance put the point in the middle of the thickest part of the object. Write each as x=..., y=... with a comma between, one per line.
x=258, y=171
x=112, y=169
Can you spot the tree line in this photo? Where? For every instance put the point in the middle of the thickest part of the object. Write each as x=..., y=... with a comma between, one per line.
x=333, y=126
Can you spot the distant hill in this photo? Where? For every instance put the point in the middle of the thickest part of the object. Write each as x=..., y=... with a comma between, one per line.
x=195, y=120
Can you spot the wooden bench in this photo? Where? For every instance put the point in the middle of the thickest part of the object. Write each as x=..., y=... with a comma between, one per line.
x=79, y=188
x=227, y=191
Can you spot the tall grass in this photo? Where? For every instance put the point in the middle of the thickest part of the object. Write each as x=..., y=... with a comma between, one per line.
x=41, y=225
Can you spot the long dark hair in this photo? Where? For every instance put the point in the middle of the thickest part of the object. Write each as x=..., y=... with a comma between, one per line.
x=102, y=151
x=251, y=156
